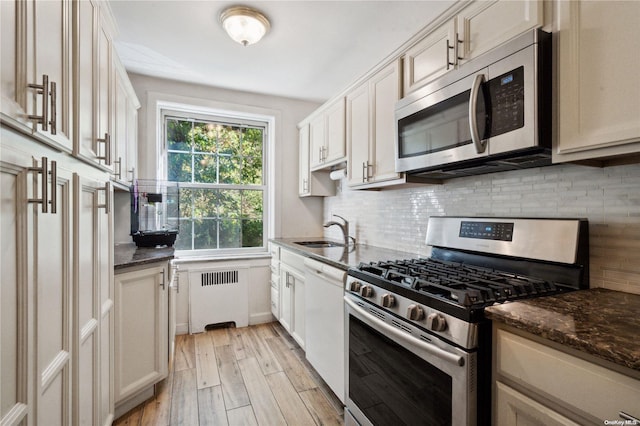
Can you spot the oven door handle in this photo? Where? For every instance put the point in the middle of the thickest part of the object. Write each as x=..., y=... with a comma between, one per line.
x=379, y=324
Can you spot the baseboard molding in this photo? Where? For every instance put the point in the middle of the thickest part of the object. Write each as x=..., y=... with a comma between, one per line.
x=261, y=318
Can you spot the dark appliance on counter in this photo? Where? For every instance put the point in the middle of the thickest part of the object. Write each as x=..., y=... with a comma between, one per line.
x=155, y=211
x=418, y=344
x=491, y=114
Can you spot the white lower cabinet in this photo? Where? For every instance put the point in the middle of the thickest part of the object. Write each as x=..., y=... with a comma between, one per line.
x=56, y=351
x=536, y=384
x=141, y=332
x=292, y=298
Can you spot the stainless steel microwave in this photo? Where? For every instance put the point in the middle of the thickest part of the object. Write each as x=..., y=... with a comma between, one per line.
x=493, y=113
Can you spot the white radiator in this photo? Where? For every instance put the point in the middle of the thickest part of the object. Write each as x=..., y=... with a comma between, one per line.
x=218, y=295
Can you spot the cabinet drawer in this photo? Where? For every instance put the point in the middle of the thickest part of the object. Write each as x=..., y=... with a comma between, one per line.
x=292, y=260
x=274, y=251
x=575, y=383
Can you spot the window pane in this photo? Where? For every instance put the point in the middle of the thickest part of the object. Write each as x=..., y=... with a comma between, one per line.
x=252, y=204
x=183, y=241
x=179, y=167
x=204, y=168
x=252, y=171
x=252, y=143
x=205, y=234
x=204, y=137
x=230, y=170
x=230, y=233
x=229, y=140
x=229, y=203
x=204, y=203
x=251, y=233
x=178, y=138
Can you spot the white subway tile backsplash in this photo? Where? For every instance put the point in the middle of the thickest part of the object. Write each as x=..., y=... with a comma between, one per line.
x=608, y=197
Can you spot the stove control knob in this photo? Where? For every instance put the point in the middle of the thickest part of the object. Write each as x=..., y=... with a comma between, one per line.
x=415, y=313
x=355, y=286
x=436, y=322
x=366, y=291
x=388, y=300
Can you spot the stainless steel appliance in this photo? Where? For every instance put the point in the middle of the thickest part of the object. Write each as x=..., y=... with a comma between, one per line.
x=418, y=348
x=493, y=113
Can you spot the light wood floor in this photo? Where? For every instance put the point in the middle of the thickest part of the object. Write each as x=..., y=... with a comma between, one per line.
x=255, y=375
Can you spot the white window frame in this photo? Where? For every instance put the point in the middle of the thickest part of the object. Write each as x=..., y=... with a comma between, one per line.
x=194, y=112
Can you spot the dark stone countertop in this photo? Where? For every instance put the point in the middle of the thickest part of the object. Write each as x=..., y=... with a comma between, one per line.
x=342, y=257
x=126, y=255
x=600, y=322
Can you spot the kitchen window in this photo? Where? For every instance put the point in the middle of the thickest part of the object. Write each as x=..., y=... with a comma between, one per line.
x=219, y=164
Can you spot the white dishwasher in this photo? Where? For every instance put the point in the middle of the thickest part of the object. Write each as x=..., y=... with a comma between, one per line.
x=324, y=322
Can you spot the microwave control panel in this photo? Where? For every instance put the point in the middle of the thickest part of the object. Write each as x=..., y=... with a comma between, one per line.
x=506, y=100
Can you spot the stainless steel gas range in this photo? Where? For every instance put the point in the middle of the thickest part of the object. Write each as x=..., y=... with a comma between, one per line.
x=419, y=347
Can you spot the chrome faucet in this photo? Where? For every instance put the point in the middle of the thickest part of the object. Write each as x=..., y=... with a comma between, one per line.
x=344, y=227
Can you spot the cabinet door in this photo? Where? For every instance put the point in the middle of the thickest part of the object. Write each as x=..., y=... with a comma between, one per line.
x=335, y=137
x=385, y=92
x=86, y=15
x=130, y=166
x=120, y=130
x=303, y=162
x=16, y=292
x=299, y=313
x=13, y=85
x=93, y=303
x=51, y=264
x=358, y=135
x=104, y=97
x=49, y=38
x=598, y=57
x=516, y=409
x=286, y=299
x=317, y=141
x=430, y=58
x=478, y=27
x=141, y=329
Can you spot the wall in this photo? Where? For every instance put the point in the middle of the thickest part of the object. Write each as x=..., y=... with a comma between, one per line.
x=293, y=216
x=608, y=197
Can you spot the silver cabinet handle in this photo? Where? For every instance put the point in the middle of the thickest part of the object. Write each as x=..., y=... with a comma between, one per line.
x=626, y=416
x=133, y=173
x=54, y=187
x=43, y=170
x=456, y=51
x=162, y=284
x=449, y=47
x=107, y=198
x=107, y=149
x=480, y=144
x=365, y=171
x=118, y=173
x=54, y=114
x=42, y=89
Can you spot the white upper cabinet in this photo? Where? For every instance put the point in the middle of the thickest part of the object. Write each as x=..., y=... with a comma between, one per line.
x=327, y=136
x=598, y=87
x=430, y=58
x=37, y=68
x=311, y=183
x=125, y=128
x=486, y=24
x=476, y=29
x=371, y=127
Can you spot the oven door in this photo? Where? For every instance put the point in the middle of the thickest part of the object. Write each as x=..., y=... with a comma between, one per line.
x=398, y=374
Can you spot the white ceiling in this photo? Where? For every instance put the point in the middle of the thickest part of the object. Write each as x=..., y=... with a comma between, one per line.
x=313, y=51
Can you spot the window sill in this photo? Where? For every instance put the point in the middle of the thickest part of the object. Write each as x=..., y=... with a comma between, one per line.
x=185, y=258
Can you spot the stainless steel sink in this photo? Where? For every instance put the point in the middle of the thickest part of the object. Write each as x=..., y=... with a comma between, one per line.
x=319, y=244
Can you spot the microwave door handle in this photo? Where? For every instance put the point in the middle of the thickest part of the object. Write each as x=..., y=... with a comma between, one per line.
x=480, y=144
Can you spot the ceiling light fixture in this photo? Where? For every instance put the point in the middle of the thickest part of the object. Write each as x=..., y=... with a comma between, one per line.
x=244, y=24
